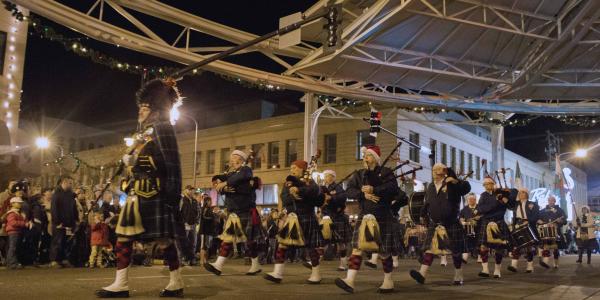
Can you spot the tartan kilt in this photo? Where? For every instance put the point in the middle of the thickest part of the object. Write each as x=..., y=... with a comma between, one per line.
x=390, y=239
x=159, y=219
x=254, y=233
x=342, y=231
x=456, y=238
x=400, y=247
x=311, y=231
x=503, y=234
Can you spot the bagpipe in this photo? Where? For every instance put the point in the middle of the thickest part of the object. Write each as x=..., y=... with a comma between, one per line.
x=255, y=181
x=293, y=181
x=503, y=191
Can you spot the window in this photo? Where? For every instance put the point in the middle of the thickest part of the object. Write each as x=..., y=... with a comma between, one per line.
x=413, y=153
x=259, y=155
x=453, y=158
x=274, y=155
x=461, y=168
x=363, y=138
x=2, y=51
x=470, y=162
x=330, y=148
x=267, y=195
x=224, y=159
x=210, y=161
x=433, y=146
x=444, y=155
x=198, y=162
x=291, y=151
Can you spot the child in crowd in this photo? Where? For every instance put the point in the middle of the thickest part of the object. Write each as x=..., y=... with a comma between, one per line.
x=99, y=240
x=15, y=225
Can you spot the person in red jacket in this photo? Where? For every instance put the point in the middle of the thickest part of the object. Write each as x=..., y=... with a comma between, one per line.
x=15, y=224
x=99, y=240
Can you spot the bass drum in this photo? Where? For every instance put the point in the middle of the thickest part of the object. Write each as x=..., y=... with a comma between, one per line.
x=415, y=204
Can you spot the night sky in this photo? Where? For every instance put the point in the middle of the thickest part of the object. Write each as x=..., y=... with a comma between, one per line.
x=61, y=84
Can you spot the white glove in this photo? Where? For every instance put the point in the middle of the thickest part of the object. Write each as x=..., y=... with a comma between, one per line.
x=127, y=160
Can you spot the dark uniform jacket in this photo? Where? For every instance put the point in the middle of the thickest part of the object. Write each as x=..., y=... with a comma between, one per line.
x=492, y=209
x=244, y=196
x=310, y=195
x=442, y=207
x=64, y=209
x=384, y=186
x=337, y=204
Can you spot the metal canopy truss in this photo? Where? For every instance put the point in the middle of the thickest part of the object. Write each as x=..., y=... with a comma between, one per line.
x=509, y=56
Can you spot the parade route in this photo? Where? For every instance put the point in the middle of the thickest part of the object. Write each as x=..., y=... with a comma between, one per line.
x=571, y=281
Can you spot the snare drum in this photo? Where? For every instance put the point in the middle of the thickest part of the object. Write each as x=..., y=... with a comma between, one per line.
x=523, y=237
x=415, y=204
x=548, y=232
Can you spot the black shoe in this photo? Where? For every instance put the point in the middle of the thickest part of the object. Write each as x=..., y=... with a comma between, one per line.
x=313, y=282
x=464, y=261
x=417, y=276
x=108, y=294
x=212, y=269
x=529, y=271
x=272, y=279
x=307, y=265
x=545, y=265
x=458, y=283
x=253, y=273
x=171, y=294
x=497, y=276
x=484, y=275
x=512, y=269
x=578, y=261
x=385, y=291
x=342, y=285
x=370, y=264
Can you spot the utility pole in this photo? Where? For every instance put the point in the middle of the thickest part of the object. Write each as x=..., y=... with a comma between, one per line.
x=552, y=147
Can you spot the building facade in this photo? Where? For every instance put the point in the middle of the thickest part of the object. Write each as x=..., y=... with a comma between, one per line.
x=278, y=141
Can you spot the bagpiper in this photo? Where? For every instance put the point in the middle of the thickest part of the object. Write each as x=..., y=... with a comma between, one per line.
x=301, y=196
x=374, y=187
x=153, y=188
x=243, y=224
x=494, y=233
x=445, y=234
x=334, y=210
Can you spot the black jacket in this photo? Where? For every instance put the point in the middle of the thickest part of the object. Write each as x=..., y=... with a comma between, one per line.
x=532, y=210
x=442, y=207
x=384, y=186
x=310, y=197
x=552, y=213
x=63, y=208
x=492, y=209
x=189, y=210
x=337, y=204
x=244, y=196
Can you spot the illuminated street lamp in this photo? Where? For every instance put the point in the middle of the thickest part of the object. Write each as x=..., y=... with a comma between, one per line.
x=581, y=153
x=42, y=142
